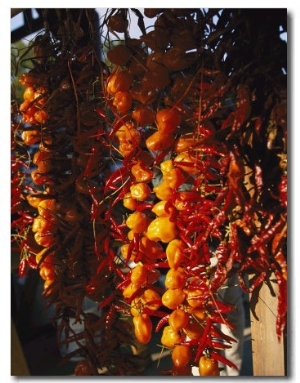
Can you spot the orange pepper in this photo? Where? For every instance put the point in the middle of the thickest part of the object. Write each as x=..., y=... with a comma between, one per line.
x=175, y=278
x=139, y=275
x=141, y=172
x=47, y=209
x=194, y=298
x=181, y=355
x=43, y=226
x=208, y=366
x=143, y=115
x=129, y=138
x=142, y=328
x=159, y=141
x=181, y=202
x=33, y=200
x=130, y=291
x=31, y=137
x=194, y=329
x=170, y=337
x=185, y=142
x=137, y=222
x=178, y=319
x=122, y=101
x=172, y=298
x=167, y=120
x=129, y=202
x=173, y=176
x=120, y=81
x=151, y=299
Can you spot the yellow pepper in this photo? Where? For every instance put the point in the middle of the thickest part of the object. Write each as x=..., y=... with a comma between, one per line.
x=160, y=209
x=129, y=202
x=163, y=191
x=140, y=191
x=175, y=253
x=162, y=229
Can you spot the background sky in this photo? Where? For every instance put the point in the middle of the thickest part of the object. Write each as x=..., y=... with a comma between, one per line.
x=135, y=32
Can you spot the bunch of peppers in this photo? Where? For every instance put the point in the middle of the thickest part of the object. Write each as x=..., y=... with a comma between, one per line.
x=144, y=168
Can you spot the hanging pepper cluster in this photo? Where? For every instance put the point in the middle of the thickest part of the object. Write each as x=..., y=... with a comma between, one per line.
x=135, y=167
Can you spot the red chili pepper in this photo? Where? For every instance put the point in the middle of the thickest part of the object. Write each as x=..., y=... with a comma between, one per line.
x=265, y=236
x=31, y=261
x=183, y=232
x=46, y=252
x=282, y=304
x=22, y=267
x=120, y=274
x=211, y=110
x=205, y=339
x=156, y=313
x=257, y=281
x=103, y=264
x=220, y=150
x=107, y=301
x=124, y=283
x=258, y=126
x=220, y=319
x=100, y=113
x=117, y=228
x=115, y=178
x=216, y=332
x=26, y=216
x=162, y=322
x=119, y=122
x=222, y=359
x=220, y=345
x=125, y=189
x=109, y=317
x=162, y=265
x=144, y=206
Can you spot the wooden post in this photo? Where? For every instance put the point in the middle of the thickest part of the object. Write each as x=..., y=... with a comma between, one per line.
x=268, y=353
x=18, y=361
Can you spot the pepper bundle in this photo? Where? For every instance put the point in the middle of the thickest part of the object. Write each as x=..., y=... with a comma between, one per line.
x=168, y=165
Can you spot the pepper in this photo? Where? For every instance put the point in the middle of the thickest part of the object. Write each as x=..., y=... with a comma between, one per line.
x=140, y=191
x=208, y=366
x=138, y=222
x=173, y=176
x=141, y=172
x=161, y=229
x=175, y=252
x=163, y=191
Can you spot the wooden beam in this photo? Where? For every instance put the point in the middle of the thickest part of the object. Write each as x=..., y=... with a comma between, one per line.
x=268, y=357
